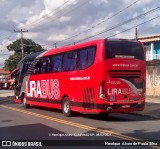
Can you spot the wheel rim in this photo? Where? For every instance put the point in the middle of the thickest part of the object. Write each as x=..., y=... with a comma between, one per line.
x=66, y=107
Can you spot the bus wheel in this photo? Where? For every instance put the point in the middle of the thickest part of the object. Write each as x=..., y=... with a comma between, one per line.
x=66, y=107
x=25, y=103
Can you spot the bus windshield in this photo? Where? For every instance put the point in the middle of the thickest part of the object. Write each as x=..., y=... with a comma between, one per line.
x=123, y=49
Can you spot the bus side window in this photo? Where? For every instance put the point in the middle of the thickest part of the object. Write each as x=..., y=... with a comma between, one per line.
x=70, y=61
x=26, y=65
x=91, y=55
x=83, y=59
x=57, y=63
x=48, y=65
x=45, y=65
x=87, y=56
x=25, y=68
x=36, y=67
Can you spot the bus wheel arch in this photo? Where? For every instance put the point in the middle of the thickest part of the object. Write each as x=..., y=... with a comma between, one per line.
x=24, y=100
x=66, y=106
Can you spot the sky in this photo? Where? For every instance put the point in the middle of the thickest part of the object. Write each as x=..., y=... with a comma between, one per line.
x=66, y=22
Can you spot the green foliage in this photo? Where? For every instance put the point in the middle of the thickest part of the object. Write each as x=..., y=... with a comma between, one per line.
x=12, y=61
x=29, y=47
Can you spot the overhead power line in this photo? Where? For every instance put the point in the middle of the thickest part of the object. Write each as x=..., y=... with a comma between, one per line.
x=123, y=30
x=104, y=20
x=121, y=24
x=47, y=15
x=59, y=14
x=64, y=13
x=133, y=27
x=92, y=27
x=119, y=32
x=31, y=45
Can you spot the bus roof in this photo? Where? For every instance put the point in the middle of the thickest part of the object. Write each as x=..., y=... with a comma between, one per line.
x=72, y=47
x=29, y=57
x=81, y=45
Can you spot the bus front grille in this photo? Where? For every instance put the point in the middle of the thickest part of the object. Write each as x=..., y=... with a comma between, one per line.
x=124, y=73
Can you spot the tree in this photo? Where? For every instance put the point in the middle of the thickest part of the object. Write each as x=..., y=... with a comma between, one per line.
x=29, y=47
x=11, y=63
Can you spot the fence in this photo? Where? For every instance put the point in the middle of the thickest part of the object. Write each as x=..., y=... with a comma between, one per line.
x=152, y=57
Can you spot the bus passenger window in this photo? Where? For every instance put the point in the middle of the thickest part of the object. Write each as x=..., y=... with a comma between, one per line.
x=45, y=65
x=70, y=61
x=57, y=63
x=35, y=68
x=83, y=59
x=91, y=55
x=26, y=65
x=48, y=67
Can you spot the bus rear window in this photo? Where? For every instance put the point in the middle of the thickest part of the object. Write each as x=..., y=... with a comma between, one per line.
x=123, y=49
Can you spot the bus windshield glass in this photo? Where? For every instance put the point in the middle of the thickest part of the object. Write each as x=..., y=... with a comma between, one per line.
x=123, y=49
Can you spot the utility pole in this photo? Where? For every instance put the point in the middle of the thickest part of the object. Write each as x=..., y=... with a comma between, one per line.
x=21, y=31
x=55, y=44
x=136, y=34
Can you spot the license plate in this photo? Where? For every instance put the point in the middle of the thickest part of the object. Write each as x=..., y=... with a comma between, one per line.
x=125, y=106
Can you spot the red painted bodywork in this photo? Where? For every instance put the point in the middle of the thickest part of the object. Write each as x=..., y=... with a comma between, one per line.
x=87, y=90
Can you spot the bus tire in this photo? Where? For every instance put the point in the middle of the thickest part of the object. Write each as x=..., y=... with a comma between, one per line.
x=66, y=107
x=25, y=105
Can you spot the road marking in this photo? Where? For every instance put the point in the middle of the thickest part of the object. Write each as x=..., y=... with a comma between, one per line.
x=106, y=132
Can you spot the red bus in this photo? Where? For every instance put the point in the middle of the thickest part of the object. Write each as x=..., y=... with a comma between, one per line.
x=100, y=76
x=20, y=71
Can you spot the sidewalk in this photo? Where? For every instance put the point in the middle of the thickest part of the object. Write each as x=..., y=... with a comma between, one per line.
x=6, y=93
x=152, y=106
x=153, y=99
x=9, y=93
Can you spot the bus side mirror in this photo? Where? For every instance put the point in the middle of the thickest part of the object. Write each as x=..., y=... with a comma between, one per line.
x=35, y=71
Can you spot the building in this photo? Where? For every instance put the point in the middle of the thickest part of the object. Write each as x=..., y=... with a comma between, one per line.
x=4, y=75
x=152, y=45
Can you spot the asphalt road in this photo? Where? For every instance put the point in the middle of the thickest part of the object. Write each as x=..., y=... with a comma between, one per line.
x=17, y=123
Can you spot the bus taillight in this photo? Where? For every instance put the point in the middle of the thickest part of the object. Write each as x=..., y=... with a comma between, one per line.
x=102, y=91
